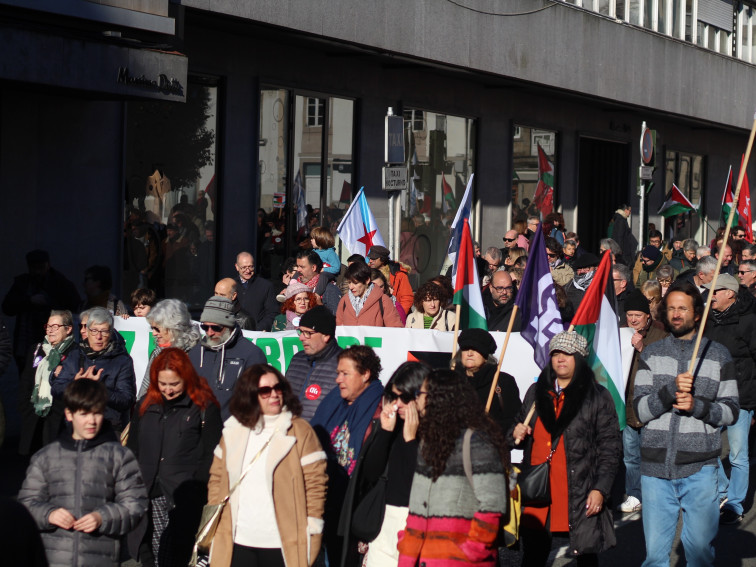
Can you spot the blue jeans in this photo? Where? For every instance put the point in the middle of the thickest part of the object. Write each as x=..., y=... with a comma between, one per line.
x=697, y=496
x=736, y=487
x=632, y=458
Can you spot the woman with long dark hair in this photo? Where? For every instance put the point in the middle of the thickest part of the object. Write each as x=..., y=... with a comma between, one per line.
x=390, y=452
x=275, y=515
x=575, y=424
x=174, y=431
x=455, y=519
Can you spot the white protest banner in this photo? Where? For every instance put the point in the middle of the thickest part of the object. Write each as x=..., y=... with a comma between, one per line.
x=393, y=346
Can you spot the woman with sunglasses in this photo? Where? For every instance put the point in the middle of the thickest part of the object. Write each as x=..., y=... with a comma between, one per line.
x=171, y=326
x=173, y=433
x=275, y=515
x=41, y=414
x=390, y=452
x=298, y=299
x=561, y=272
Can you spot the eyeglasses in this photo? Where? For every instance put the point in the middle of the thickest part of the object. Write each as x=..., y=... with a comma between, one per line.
x=682, y=310
x=302, y=299
x=246, y=268
x=98, y=333
x=509, y=239
x=744, y=272
x=664, y=281
x=54, y=328
x=502, y=288
x=419, y=393
x=552, y=255
x=305, y=334
x=210, y=327
x=265, y=391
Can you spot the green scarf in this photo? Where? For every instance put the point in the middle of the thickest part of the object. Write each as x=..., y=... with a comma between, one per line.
x=41, y=397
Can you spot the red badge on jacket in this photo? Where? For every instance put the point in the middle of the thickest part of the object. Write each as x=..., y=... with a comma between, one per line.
x=312, y=392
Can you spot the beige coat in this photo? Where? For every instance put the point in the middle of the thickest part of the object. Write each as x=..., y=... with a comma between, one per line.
x=443, y=321
x=295, y=468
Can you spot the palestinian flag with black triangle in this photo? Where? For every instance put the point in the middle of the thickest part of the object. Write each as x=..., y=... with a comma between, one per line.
x=675, y=204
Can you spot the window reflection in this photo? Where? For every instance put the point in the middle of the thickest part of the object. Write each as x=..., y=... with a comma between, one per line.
x=533, y=180
x=686, y=172
x=171, y=196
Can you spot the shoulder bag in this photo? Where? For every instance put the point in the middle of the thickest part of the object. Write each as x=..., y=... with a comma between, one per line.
x=367, y=518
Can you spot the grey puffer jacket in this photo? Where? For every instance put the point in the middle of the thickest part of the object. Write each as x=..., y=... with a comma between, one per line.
x=98, y=475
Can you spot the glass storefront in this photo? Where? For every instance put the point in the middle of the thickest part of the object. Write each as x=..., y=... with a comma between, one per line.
x=687, y=172
x=171, y=195
x=439, y=151
x=534, y=175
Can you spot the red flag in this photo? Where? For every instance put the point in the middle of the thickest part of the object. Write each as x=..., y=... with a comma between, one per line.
x=544, y=195
x=426, y=208
x=588, y=311
x=744, y=205
x=346, y=192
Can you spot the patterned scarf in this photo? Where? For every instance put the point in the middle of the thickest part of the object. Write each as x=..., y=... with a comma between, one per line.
x=359, y=302
x=313, y=282
x=41, y=397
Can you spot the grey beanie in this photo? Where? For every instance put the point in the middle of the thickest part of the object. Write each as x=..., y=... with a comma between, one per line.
x=219, y=310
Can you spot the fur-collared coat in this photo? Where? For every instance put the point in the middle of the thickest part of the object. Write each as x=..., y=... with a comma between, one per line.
x=295, y=469
x=590, y=434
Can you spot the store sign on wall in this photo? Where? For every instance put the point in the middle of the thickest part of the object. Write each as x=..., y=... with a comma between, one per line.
x=162, y=83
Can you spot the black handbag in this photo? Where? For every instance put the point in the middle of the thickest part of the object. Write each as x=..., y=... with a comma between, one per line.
x=367, y=518
x=535, y=483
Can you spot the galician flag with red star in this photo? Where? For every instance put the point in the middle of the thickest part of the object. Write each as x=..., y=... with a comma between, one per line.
x=358, y=229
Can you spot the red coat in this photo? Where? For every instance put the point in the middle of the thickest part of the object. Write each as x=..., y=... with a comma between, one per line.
x=371, y=314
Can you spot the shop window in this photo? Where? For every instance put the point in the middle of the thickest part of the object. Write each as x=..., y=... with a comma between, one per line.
x=440, y=162
x=172, y=195
x=687, y=172
x=533, y=178
x=305, y=173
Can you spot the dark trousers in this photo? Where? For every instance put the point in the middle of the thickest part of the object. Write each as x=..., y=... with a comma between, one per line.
x=256, y=557
x=536, y=546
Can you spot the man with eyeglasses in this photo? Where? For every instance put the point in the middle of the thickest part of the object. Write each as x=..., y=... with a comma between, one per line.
x=223, y=353
x=312, y=370
x=747, y=274
x=498, y=301
x=733, y=324
x=256, y=294
x=682, y=415
x=561, y=271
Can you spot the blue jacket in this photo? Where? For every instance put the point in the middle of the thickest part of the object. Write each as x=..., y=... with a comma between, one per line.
x=329, y=256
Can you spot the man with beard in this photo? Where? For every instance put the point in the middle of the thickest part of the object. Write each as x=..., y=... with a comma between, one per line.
x=310, y=268
x=733, y=323
x=223, y=353
x=585, y=268
x=682, y=414
x=498, y=301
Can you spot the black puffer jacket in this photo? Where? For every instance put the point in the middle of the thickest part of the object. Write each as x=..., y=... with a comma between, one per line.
x=85, y=476
x=735, y=328
x=590, y=433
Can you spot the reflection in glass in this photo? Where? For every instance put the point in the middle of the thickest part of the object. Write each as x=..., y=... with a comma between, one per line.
x=439, y=150
x=686, y=172
x=533, y=185
x=171, y=196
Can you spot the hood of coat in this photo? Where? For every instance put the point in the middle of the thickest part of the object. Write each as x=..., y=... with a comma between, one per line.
x=105, y=435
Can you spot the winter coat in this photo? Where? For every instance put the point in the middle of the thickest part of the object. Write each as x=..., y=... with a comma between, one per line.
x=623, y=236
x=443, y=321
x=313, y=377
x=222, y=365
x=258, y=299
x=506, y=401
x=295, y=469
x=331, y=262
x=117, y=375
x=450, y=522
x=562, y=274
x=372, y=314
x=736, y=329
x=590, y=435
x=399, y=282
x=97, y=475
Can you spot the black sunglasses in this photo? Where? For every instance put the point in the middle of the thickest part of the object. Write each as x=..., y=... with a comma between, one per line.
x=216, y=328
x=406, y=397
x=266, y=391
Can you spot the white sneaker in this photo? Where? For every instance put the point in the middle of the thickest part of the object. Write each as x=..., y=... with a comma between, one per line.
x=631, y=504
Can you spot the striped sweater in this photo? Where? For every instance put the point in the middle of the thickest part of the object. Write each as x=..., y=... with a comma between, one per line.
x=449, y=523
x=676, y=444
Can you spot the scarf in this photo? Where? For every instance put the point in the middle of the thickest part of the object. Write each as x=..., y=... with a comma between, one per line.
x=290, y=317
x=720, y=316
x=41, y=397
x=313, y=282
x=92, y=355
x=359, y=302
x=346, y=424
x=583, y=280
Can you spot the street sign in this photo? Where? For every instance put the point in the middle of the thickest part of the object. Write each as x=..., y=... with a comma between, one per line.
x=646, y=172
x=394, y=139
x=395, y=178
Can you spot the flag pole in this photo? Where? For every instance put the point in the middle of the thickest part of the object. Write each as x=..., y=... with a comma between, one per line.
x=501, y=358
x=725, y=238
x=456, y=330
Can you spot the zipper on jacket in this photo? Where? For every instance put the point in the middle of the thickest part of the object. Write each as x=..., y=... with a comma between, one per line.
x=77, y=499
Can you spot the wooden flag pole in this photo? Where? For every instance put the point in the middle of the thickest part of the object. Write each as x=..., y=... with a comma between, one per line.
x=725, y=238
x=527, y=419
x=456, y=331
x=501, y=358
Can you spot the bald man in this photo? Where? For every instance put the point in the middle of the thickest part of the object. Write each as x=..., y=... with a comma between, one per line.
x=498, y=301
x=256, y=294
x=227, y=288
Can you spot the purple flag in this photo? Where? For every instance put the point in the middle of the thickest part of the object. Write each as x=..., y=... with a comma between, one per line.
x=536, y=300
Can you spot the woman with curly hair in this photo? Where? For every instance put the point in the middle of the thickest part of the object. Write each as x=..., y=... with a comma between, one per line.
x=298, y=300
x=575, y=426
x=454, y=520
x=173, y=433
x=430, y=312
x=275, y=516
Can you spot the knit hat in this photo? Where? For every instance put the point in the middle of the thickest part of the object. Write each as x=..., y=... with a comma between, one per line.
x=219, y=310
x=294, y=288
x=377, y=252
x=724, y=281
x=586, y=260
x=320, y=320
x=478, y=340
x=651, y=252
x=569, y=342
x=636, y=301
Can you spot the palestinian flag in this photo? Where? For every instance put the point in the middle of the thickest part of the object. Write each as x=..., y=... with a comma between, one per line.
x=449, y=203
x=466, y=286
x=544, y=194
x=675, y=204
x=597, y=322
x=727, y=199
x=744, y=205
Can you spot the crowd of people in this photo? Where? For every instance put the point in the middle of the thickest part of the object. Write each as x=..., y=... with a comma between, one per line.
x=326, y=464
